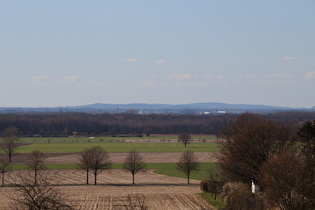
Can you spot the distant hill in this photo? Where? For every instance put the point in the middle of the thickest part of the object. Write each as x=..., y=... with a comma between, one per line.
x=142, y=108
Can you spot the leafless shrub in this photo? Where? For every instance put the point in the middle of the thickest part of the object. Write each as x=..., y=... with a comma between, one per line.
x=238, y=196
x=42, y=196
x=288, y=182
x=204, y=186
x=215, y=182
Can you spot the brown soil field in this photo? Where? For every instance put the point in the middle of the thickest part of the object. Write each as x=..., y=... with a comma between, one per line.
x=114, y=186
x=159, y=191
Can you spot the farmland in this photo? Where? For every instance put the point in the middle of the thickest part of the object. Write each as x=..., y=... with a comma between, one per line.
x=114, y=145
x=113, y=197
x=160, y=154
x=115, y=186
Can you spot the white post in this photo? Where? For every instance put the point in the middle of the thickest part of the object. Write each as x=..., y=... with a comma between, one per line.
x=253, y=186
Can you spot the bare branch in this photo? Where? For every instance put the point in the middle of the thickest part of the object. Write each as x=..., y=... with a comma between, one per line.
x=134, y=163
x=188, y=163
x=9, y=141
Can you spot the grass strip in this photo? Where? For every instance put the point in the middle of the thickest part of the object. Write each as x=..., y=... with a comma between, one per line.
x=218, y=203
x=69, y=140
x=121, y=147
x=169, y=169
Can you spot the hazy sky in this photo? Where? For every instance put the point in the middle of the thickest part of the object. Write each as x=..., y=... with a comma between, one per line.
x=74, y=52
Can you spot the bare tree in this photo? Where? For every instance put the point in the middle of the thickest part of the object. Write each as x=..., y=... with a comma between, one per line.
x=99, y=161
x=85, y=162
x=4, y=167
x=39, y=197
x=134, y=163
x=36, y=163
x=215, y=182
x=9, y=141
x=252, y=143
x=288, y=181
x=234, y=128
x=185, y=138
x=188, y=163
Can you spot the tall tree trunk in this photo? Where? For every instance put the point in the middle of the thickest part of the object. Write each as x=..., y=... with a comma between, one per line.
x=188, y=178
x=35, y=177
x=133, y=178
x=2, y=179
x=87, y=176
x=95, y=179
x=10, y=156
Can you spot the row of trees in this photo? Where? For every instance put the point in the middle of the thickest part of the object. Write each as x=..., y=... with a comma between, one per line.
x=35, y=163
x=272, y=156
x=64, y=124
x=96, y=159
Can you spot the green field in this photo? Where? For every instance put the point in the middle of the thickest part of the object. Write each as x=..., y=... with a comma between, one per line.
x=70, y=140
x=118, y=147
x=169, y=169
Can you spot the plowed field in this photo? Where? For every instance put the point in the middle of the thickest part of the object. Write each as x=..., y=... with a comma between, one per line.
x=159, y=191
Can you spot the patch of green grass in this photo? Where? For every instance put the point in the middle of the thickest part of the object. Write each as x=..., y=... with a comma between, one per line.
x=121, y=147
x=84, y=140
x=218, y=203
x=169, y=169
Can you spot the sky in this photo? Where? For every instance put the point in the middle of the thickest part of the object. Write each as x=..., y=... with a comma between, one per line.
x=75, y=52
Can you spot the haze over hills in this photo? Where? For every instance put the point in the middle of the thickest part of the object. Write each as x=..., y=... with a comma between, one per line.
x=142, y=108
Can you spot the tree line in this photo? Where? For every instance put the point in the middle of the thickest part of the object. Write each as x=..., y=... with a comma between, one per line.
x=104, y=124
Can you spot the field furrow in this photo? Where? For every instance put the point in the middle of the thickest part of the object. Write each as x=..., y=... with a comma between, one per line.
x=155, y=192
